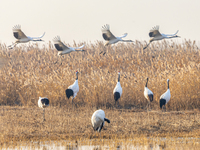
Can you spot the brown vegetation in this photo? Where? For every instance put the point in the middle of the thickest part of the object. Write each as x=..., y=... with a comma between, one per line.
x=24, y=123
x=32, y=72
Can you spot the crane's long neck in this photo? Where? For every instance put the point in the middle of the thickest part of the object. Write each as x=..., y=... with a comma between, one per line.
x=146, y=82
x=118, y=77
x=76, y=76
x=168, y=83
x=127, y=40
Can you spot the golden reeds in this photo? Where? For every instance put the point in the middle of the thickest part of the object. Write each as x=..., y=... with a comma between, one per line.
x=31, y=72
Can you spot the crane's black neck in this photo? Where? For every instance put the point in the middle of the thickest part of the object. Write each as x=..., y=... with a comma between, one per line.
x=76, y=75
x=118, y=77
x=168, y=83
x=147, y=82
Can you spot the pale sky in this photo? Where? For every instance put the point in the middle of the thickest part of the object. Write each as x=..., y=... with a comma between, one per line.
x=81, y=20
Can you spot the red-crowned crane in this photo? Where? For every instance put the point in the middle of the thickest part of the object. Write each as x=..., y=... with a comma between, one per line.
x=117, y=90
x=98, y=119
x=63, y=49
x=43, y=102
x=110, y=38
x=164, y=98
x=148, y=94
x=155, y=35
x=73, y=89
x=22, y=38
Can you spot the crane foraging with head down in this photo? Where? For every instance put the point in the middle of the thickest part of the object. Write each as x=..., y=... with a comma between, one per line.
x=98, y=119
x=110, y=38
x=63, y=49
x=148, y=94
x=155, y=35
x=73, y=89
x=164, y=98
x=43, y=102
x=22, y=38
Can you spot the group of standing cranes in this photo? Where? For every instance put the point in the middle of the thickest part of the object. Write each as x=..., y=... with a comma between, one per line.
x=98, y=117
x=154, y=35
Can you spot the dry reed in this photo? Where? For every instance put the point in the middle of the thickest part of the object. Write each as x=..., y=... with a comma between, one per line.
x=32, y=72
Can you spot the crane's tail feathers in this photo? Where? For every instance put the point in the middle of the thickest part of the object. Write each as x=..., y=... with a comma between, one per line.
x=69, y=93
x=108, y=121
x=105, y=27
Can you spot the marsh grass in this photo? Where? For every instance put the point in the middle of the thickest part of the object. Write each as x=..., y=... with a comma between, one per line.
x=31, y=72
x=26, y=124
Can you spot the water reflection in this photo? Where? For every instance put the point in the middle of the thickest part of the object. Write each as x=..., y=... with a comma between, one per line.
x=130, y=144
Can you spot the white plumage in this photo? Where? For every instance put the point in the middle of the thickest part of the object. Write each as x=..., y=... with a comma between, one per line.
x=117, y=90
x=110, y=38
x=164, y=98
x=22, y=38
x=148, y=94
x=155, y=35
x=73, y=89
x=63, y=49
x=98, y=119
x=43, y=102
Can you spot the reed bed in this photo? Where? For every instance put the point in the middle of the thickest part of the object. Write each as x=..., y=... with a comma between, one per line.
x=31, y=72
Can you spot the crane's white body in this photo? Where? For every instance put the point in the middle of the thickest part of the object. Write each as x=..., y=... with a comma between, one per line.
x=118, y=88
x=40, y=104
x=22, y=38
x=166, y=96
x=110, y=38
x=147, y=92
x=63, y=49
x=117, y=92
x=98, y=119
x=75, y=88
x=155, y=35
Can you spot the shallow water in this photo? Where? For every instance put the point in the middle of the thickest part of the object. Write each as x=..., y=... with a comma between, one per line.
x=115, y=144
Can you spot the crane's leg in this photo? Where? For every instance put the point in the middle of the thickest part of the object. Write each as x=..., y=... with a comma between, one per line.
x=149, y=105
x=43, y=114
x=12, y=46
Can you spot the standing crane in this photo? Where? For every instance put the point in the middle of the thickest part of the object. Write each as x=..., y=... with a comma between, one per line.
x=43, y=102
x=164, y=98
x=148, y=94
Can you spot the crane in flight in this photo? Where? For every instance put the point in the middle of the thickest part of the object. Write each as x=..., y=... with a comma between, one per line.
x=22, y=38
x=110, y=38
x=63, y=49
x=155, y=35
